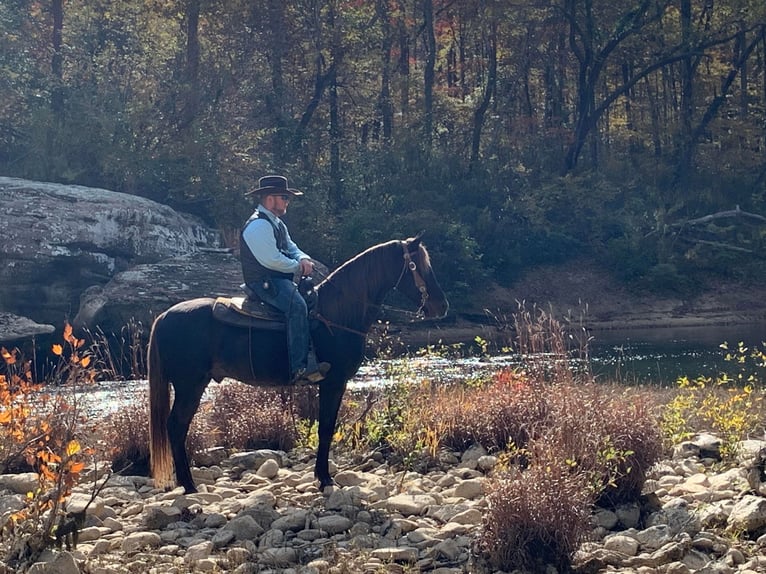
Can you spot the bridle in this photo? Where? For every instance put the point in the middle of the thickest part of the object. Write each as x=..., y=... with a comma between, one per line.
x=416, y=277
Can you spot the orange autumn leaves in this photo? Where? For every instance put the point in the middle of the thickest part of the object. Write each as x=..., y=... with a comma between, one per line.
x=41, y=430
x=75, y=344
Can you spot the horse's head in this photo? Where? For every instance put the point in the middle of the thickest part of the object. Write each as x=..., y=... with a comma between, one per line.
x=418, y=282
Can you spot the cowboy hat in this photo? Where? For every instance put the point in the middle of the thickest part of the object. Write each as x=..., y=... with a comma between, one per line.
x=273, y=185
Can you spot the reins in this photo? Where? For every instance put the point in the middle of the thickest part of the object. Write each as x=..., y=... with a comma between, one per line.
x=416, y=277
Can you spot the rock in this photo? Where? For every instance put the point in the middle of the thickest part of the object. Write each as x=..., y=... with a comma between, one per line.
x=59, y=240
x=622, y=544
x=401, y=554
x=363, y=528
x=21, y=483
x=409, y=504
x=472, y=488
x=334, y=524
x=139, y=541
x=269, y=469
x=158, y=517
x=60, y=563
x=748, y=514
x=147, y=289
x=14, y=327
x=245, y=528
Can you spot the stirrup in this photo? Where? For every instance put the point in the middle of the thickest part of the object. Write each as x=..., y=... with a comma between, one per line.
x=311, y=375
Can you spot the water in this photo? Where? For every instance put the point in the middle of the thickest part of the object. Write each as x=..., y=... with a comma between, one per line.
x=661, y=356
x=636, y=356
x=645, y=356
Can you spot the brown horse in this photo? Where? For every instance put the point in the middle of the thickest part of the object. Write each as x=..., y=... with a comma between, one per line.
x=188, y=348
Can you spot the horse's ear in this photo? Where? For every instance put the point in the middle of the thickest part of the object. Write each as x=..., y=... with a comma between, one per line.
x=414, y=242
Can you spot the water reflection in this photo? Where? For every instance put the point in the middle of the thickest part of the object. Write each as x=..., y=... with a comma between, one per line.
x=661, y=356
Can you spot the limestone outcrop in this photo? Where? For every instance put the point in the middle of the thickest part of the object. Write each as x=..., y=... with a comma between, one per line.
x=13, y=327
x=59, y=240
x=142, y=292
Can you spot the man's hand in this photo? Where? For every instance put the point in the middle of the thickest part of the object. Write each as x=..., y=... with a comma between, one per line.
x=307, y=267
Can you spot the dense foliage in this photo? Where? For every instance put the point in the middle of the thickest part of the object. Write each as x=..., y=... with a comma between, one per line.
x=515, y=133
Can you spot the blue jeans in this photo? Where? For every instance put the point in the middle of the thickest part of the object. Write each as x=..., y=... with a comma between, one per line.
x=283, y=294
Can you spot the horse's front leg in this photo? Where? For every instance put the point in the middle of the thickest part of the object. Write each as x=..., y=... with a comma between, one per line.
x=330, y=397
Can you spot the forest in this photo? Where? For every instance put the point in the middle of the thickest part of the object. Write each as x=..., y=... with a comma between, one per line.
x=515, y=133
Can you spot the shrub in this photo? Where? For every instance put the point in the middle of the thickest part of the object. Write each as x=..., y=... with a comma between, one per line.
x=246, y=417
x=126, y=432
x=608, y=433
x=730, y=405
x=537, y=515
x=45, y=431
x=503, y=411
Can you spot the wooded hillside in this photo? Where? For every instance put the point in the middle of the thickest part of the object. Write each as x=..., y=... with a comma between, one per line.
x=515, y=133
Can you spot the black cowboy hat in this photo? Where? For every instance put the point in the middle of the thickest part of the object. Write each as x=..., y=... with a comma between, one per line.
x=273, y=185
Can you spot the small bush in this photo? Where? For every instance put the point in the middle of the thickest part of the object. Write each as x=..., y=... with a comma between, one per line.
x=730, y=405
x=126, y=432
x=245, y=417
x=537, y=515
x=47, y=432
x=608, y=433
x=503, y=411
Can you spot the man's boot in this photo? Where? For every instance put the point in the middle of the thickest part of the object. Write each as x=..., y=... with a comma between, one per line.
x=313, y=373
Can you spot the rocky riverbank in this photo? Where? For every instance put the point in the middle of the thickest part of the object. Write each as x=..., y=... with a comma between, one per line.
x=261, y=512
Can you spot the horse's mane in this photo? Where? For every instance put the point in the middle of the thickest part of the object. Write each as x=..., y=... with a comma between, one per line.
x=353, y=287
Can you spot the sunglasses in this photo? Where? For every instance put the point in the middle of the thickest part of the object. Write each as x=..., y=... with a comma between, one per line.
x=283, y=197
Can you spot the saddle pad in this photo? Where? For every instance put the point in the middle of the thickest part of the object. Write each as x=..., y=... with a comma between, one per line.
x=247, y=313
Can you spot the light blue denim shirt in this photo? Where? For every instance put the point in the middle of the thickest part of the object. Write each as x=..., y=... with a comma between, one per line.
x=259, y=237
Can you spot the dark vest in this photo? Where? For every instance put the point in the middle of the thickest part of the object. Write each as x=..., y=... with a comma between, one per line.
x=252, y=271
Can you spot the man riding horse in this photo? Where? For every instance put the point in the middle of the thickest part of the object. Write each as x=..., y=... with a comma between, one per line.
x=270, y=262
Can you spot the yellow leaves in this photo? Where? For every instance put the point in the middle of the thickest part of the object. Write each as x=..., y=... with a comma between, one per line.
x=76, y=467
x=5, y=417
x=72, y=448
x=84, y=362
x=57, y=349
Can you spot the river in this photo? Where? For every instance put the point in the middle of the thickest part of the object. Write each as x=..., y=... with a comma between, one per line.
x=636, y=356
x=660, y=356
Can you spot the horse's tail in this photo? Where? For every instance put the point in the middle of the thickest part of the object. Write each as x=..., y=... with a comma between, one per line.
x=159, y=410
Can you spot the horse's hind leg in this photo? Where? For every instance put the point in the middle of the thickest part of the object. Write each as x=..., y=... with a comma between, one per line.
x=185, y=405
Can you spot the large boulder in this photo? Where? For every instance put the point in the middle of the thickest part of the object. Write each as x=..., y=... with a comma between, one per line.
x=59, y=240
x=144, y=291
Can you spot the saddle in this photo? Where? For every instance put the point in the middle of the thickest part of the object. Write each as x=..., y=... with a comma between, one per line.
x=248, y=312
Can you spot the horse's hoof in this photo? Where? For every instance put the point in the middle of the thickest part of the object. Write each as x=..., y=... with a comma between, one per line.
x=326, y=486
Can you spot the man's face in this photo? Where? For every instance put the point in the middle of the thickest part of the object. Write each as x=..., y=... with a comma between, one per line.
x=277, y=203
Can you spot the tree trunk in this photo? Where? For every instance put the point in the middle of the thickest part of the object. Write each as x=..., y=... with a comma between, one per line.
x=489, y=91
x=276, y=100
x=686, y=110
x=404, y=63
x=385, y=109
x=743, y=80
x=336, y=192
x=685, y=160
x=57, y=92
x=429, y=72
x=191, y=107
